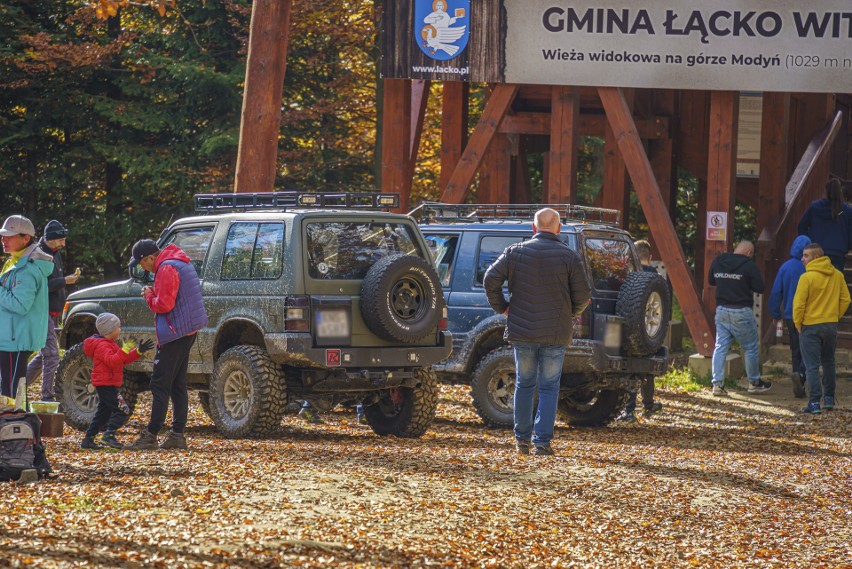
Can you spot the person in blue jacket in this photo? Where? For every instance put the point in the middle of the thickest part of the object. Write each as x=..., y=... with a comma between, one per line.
x=23, y=300
x=828, y=221
x=781, y=297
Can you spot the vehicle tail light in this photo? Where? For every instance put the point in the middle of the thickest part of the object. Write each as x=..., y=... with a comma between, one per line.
x=442, y=323
x=297, y=314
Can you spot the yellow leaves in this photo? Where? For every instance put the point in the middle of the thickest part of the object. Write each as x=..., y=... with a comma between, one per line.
x=109, y=8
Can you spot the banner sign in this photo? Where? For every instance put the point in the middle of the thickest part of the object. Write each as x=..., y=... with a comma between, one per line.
x=737, y=45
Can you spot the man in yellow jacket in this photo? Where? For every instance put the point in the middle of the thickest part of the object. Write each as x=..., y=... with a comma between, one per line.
x=821, y=299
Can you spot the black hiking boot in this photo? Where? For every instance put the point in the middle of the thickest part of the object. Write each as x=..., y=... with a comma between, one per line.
x=89, y=443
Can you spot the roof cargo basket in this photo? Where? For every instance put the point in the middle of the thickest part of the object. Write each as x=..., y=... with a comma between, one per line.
x=291, y=199
x=435, y=212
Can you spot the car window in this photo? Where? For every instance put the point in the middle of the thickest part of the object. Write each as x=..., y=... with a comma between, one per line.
x=253, y=251
x=609, y=261
x=443, y=250
x=194, y=242
x=348, y=250
x=490, y=248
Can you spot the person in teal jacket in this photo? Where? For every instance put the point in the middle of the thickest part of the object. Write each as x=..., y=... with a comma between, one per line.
x=23, y=300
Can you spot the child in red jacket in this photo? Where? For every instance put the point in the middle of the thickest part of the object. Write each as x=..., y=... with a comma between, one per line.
x=107, y=377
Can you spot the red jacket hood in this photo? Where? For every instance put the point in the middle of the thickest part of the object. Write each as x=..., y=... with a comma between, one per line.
x=170, y=253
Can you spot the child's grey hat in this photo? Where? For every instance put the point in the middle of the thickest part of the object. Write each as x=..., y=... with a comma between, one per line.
x=106, y=323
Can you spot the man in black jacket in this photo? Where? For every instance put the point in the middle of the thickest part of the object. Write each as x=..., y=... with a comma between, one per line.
x=47, y=360
x=548, y=288
x=736, y=279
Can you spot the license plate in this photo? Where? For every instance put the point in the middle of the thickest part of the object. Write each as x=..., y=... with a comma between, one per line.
x=333, y=323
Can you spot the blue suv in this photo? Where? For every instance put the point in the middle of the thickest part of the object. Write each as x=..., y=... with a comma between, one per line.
x=618, y=340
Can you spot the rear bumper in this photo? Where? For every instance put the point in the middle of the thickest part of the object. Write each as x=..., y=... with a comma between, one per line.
x=296, y=348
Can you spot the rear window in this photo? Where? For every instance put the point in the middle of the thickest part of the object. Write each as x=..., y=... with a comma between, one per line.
x=348, y=250
x=610, y=260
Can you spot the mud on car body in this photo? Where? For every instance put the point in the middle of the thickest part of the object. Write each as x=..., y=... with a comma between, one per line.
x=319, y=297
x=618, y=340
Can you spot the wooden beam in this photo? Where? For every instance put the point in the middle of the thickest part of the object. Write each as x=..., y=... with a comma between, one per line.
x=774, y=166
x=453, y=128
x=661, y=154
x=721, y=176
x=495, y=109
x=625, y=133
x=589, y=125
x=419, y=100
x=521, y=191
x=495, y=176
x=615, y=193
x=260, y=118
x=561, y=182
x=396, y=140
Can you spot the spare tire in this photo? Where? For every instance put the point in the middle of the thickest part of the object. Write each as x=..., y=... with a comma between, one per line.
x=645, y=305
x=401, y=298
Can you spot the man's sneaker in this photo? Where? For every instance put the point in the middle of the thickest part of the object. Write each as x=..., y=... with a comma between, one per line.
x=828, y=402
x=653, y=408
x=627, y=417
x=146, y=441
x=719, y=391
x=523, y=447
x=812, y=408
x=309, y=415
x=543, y=450
x=174, y=440
x=798, y=385
x=89, y=443
x=759, y=387
x=108, y=439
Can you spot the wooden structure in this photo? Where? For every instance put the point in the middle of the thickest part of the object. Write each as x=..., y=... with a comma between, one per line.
x=648, y=134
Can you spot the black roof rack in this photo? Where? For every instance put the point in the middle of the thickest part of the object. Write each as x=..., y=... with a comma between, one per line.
x=291, y=199
x=433, y=212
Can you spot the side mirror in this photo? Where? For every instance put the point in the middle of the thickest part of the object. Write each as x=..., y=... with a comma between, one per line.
x=140, y=275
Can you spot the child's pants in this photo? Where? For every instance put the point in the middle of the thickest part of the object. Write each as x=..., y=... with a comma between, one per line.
x=108, y=412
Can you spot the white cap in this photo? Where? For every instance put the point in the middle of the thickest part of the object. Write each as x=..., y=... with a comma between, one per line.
x=17, y=225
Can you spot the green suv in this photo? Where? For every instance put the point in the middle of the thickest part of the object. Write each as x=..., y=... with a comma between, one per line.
x=327, y=298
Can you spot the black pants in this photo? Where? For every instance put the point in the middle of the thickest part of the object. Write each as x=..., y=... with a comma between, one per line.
x=13, y=367
x=647, y=390
x=108, y=412
x=168, y=381
x=795, y=351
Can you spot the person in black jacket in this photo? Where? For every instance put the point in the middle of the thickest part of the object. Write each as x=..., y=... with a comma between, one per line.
x=47, y=360
x=548, y=288
x=736, y=279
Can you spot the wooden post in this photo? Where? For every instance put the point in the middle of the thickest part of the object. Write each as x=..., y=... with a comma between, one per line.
x=721, y=176
x=774, y=171
x=616, y=188
x=625, y=134
x=564, y=144
x=495, y=176
x=396, y=140
x=453, y=128
x=495, y=109
x=419, y=99
x=260, y=120
x=662, y=155
x=521, y=192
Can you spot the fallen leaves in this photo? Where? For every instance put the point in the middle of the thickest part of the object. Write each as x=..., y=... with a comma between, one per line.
x=704, y=484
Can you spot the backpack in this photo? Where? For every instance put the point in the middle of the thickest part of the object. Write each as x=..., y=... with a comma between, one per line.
x=21, y=447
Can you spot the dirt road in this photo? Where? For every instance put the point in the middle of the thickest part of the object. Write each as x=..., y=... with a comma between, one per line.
x=745, y=481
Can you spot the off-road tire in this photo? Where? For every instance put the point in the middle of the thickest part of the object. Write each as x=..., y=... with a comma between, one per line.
x=412, y=413
x=401, y=298
x=247, y=393
x=600, y=409
x=492, y=388
x=77, y=395
x=645, y=305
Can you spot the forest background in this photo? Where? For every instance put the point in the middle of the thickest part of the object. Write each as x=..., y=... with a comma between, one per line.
x=114, y=113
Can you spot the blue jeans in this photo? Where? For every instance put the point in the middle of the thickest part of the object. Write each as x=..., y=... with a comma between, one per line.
x=739, y=324
x=817, y=343
x=541, y=364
